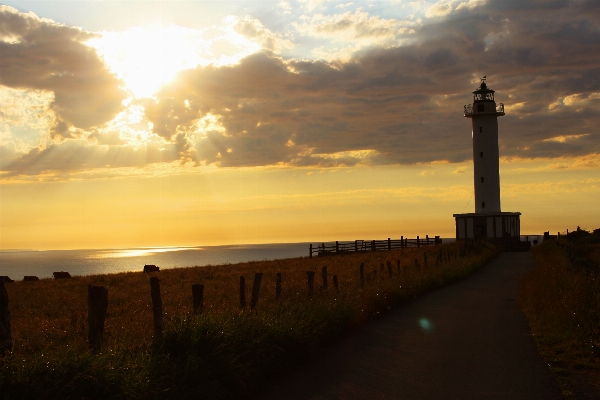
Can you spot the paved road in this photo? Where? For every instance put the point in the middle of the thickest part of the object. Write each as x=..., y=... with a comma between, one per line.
x=465, y=341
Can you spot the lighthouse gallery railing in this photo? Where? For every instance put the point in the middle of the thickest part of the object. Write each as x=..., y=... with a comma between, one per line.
x=469, y=108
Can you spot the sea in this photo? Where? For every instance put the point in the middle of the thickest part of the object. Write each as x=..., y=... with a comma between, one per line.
x=18, y=263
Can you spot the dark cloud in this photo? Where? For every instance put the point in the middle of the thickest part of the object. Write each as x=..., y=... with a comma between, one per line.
x=404, y=103
x=77, y=155
x=39, y=54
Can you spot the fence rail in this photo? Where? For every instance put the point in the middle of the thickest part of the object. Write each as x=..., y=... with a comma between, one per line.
x=330, y=248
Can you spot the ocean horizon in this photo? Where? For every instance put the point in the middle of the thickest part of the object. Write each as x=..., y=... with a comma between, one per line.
x=43, y=263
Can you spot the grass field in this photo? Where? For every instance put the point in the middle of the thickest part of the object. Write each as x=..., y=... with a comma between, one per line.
x=561, y=299
x=223, y=353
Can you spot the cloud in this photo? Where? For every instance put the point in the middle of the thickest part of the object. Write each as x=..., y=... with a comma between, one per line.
x=43, y=55
x=401, y=104
x=25, y=112
x=79, y=154
x=311, y=5
x=255, y=31
x=300, y=113
x=285, y=6
x=356, y=30
x=396, y=98
x=444, y=7
x=588, y=161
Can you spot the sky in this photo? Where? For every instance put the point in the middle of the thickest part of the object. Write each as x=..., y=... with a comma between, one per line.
x=189, y=123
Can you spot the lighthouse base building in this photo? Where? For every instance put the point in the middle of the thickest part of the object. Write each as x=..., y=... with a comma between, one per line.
x=488, y=221
x=500, y=225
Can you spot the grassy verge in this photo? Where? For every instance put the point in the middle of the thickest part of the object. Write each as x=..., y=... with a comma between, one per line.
x=223, y=353
x=561, y=299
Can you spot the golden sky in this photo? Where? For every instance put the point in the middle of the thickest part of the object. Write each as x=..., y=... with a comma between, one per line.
x=198, y=123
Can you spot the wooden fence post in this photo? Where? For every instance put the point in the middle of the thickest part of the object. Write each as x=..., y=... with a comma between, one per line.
x=373, y=247
x=426, y=240
x=425, y=260
x=389, y=268
x=324, y=277
x=356, y=246
x=97, y=305
x=389, y=244
x=6, y=343
x=337, y=246
x=310, y=251
x=402, y=242
x=278, y=286
x=310, y=277
x=255, y=290
x=198, y=298
x=362, y=273
x=156, y=306
x=335, y=283
x=242, y=292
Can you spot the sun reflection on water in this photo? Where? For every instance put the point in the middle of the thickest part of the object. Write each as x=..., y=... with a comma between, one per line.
x=138, y=252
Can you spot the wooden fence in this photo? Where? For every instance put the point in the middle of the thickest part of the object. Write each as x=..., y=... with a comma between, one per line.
x=329, y=249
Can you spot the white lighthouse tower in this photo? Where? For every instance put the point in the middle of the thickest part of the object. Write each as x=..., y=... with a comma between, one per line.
x=488, y=220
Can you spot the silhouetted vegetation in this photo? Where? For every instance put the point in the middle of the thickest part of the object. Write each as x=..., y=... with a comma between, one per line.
x=561, y=299
x=222, y=353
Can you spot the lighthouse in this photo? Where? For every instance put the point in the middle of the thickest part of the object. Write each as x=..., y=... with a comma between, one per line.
x=488, y=220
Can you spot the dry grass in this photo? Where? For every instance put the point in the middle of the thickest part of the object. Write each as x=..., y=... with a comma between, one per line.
x=225, y=353
x=53, y=313
x=562, y=303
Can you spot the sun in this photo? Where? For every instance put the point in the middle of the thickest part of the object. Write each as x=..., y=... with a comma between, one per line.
x=146, y=58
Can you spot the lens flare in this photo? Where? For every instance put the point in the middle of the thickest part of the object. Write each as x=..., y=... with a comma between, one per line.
x=425, y=324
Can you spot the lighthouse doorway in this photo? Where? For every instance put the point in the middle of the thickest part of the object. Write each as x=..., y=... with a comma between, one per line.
x=480, y=227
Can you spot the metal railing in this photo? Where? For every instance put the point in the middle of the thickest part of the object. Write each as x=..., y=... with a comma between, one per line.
x=469, y=109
